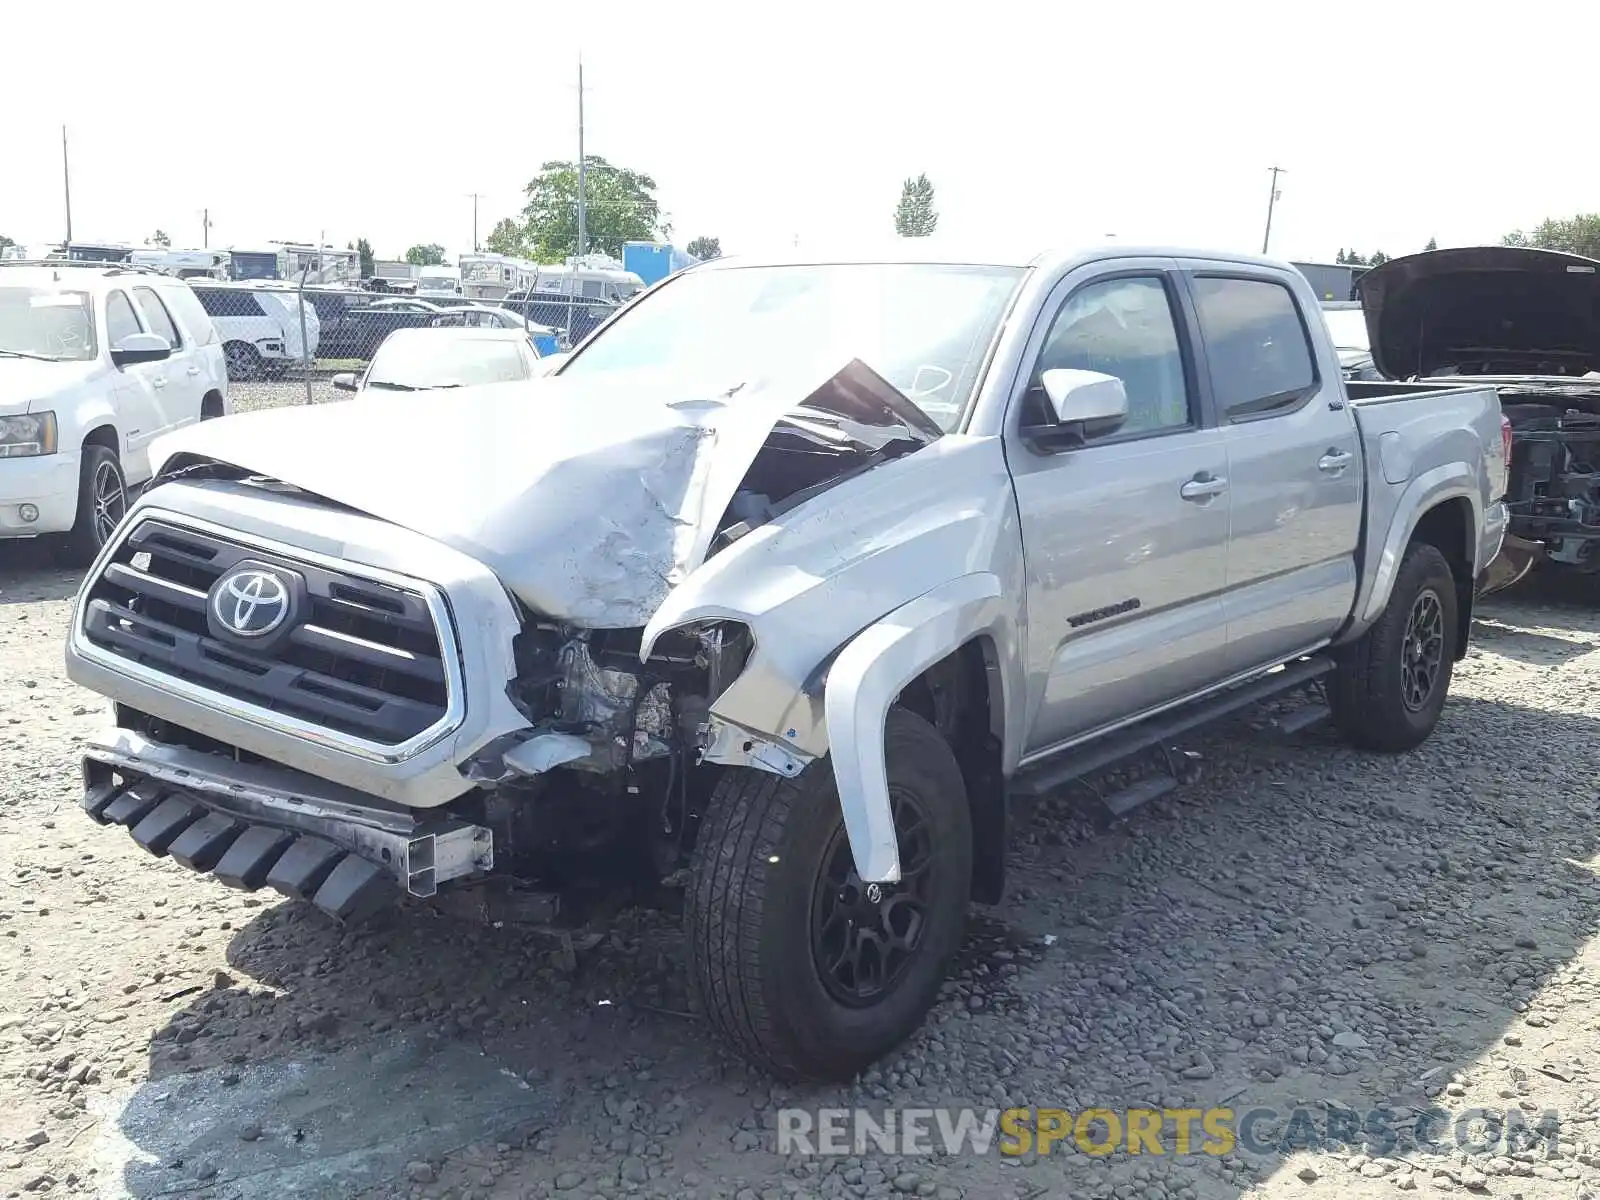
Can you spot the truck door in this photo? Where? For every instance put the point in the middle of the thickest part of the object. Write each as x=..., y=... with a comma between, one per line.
x=1124, y=536
x=1293, y=464
x=137, y=393
x=178, y=399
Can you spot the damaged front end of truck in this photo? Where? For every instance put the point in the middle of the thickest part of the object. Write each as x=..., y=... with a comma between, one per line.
x=530, y=668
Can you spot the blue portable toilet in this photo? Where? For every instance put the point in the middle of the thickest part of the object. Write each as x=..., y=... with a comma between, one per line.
x=654, y=261
x=545, y=340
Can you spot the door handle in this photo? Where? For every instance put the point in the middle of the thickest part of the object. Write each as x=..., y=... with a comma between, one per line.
x=1334, y=460
x=160, y=381
x=1203, y=487
x=194, y=370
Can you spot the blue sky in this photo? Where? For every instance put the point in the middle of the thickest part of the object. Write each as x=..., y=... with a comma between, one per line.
x=1152, y=121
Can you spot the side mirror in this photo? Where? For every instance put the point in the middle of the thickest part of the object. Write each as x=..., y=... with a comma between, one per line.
x=140, y=348
x=1084, y=404
x=344, y=381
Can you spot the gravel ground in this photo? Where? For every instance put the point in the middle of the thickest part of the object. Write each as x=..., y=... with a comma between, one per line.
x=1305, y=927
x=249, y=397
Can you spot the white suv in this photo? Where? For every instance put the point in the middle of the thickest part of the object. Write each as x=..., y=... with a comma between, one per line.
x=95, y=362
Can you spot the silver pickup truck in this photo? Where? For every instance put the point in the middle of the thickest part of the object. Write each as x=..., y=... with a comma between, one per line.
x=779, y=589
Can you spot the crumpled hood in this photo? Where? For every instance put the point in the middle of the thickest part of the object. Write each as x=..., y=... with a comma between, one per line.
x=1481, y=310
x=590, y=498
x=26, y=384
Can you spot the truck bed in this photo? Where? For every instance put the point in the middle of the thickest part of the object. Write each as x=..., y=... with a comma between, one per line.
x=1415, y=438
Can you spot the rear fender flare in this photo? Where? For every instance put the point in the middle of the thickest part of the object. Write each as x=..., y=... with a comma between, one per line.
x=1447, y=482
x=864, y=680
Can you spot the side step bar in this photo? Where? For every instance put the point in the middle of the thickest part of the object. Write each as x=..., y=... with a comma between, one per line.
x=1097, y=756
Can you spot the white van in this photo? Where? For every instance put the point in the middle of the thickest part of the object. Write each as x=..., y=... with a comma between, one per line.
x=95, y=362
x=260, y=327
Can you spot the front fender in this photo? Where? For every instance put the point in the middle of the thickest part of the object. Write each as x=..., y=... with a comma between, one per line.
x=862, y=683
x=1449, y=481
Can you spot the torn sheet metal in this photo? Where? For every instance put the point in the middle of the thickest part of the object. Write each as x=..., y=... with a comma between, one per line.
x=591, y=498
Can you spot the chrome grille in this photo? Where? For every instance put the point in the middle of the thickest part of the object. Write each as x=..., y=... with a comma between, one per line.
x=360, y=657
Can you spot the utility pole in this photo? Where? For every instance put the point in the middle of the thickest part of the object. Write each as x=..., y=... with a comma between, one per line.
x=205, y=229
x=583, y=175
x=475, y=198
x=66, y=186
x=1272, y=199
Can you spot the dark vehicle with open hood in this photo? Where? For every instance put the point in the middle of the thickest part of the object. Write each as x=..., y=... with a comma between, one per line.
x=1527, y=323
x=777, y=590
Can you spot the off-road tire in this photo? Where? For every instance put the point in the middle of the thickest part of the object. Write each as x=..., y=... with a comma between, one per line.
x=1367, y=691
x=748, y=912
x=97, y=467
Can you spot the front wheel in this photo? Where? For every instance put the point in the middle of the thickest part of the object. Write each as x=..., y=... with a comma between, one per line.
x=808, y=972
x=102, y=501
x=1391, y=683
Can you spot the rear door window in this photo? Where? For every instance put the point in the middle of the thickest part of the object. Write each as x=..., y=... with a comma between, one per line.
x=1257, y=348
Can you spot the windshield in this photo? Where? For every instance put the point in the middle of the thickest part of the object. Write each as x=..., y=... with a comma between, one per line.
x=250, y=265
x=1348, y=327
x=45, y=323
x=426, y=359
x=924, y=327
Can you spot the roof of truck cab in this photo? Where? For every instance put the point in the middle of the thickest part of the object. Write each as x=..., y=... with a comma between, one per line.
x=975, y=252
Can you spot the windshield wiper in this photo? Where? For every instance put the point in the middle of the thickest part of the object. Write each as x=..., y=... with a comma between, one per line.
x=392, y=387
x=25, y=354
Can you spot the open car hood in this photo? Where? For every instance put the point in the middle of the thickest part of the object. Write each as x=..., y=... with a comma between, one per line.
x=590, y=498
x=1484, y=310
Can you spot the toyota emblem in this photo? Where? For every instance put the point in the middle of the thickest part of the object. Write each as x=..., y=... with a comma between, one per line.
x=250, y=603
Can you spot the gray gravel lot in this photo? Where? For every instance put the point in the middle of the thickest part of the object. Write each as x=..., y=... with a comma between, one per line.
x=1305, y=927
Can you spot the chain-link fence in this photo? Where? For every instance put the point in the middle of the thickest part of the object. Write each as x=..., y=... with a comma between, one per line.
x=303, y=332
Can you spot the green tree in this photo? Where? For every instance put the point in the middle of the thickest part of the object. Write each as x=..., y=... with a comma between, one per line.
x=363, y=250
x=508, y=237
x=1433, y=244
x=915, y=216
x=620, y=206
x=158, y=238
x=1575, y=235
x=1378, y=258
x=431, y=255
x=706, y=248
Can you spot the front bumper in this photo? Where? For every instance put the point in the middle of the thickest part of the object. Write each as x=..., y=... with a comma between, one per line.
x=49, y=482
x=422, y=777
x=254, y=825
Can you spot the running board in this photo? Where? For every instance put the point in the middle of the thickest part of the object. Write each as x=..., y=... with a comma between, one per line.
x=1159, y=730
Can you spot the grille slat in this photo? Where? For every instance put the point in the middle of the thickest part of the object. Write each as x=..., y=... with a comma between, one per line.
x=364, y=658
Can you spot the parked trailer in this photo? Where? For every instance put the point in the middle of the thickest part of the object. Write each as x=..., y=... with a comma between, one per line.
x=1331, y=281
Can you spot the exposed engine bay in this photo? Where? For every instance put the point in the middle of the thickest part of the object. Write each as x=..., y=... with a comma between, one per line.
x=1554, y=494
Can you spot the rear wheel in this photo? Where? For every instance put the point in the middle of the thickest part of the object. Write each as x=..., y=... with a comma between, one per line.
x=102, y=501
x=1391, y=684
x=806, y=970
